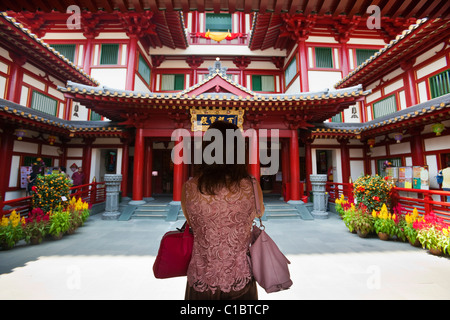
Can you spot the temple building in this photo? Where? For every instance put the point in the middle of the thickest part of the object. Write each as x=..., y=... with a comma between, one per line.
x=341, y=90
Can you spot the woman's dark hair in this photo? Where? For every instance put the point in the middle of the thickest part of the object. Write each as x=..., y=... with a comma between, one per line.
x=36, y=168
x=215, y=176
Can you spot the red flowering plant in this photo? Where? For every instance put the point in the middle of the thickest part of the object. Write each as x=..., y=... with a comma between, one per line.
x=36, y=226
x=432, y=233
x=373, y=192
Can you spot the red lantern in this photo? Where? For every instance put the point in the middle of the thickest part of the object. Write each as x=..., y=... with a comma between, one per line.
x=371, y=142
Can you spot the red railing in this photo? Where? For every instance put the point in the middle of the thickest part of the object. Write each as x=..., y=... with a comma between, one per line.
x=92, y=193
x=335, y=190
x=424, y=201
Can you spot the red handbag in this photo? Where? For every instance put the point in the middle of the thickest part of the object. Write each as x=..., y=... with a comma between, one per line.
x=174, y=253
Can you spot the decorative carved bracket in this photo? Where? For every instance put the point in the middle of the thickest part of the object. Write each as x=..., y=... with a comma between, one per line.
x=297, y=27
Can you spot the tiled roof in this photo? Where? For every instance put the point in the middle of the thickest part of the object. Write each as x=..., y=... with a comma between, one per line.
x=16, y=28
x=412, y=40
x=13, y=109
x=426, y=108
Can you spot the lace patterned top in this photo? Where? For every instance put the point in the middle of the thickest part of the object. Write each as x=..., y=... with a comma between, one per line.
x=222, y=226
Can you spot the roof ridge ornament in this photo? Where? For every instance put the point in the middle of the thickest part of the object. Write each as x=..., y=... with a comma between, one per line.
x=218, y=69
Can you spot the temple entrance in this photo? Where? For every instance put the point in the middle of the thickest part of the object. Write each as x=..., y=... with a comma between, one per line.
x=162, y=168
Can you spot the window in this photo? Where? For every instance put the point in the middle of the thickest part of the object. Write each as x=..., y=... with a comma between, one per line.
x=363, y=54
x=291, y=71
x=324, y=58
x=440, y=84
x=95, y=116
x=144, y=69
x=172, y=82
x=67, y=50
x=386, y=106
x=218, y=22
x=109, y=54
x=395, y=162
x=41, y=102
x=337, y=118
x=263, y=83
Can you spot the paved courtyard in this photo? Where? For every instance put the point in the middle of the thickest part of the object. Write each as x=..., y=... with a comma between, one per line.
x=113, y=260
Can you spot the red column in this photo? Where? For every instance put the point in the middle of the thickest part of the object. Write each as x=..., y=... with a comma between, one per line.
x=408, y=79
x=16, y=78
x=124, y=169
x=87, y=156
x=129, y=85
x=417, y=151
x=148, y=169
x=295, y=166
x=344, y=53
x=285, y=169
x=308, y=163
x=345, y=161
x=6, y=149
x=254, y=168
x=88, y=51
x=303, y=53
x=138, y=168
x=177, y=174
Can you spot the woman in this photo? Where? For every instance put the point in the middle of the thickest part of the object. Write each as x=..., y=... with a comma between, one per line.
x=31, y=178
x=219, y=205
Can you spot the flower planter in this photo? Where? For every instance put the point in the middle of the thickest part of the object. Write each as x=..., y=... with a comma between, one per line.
x=436, y=252
x=383, y=236
x=362, y=234
x=35, y=240
x=57, y=236
x=415, y=244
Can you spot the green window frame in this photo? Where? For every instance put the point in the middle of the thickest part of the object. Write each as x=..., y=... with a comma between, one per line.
x=171, y=82
x=385, y=106
x=263, y=83
x=440, y=84
x=95, y=116
x=218, y=22
x=337, y=117
x=109, y=54
x=67, y=50
x=43, y=103
x=363, y=54
x=144, y=69
x=324, y=57
x=291, y=71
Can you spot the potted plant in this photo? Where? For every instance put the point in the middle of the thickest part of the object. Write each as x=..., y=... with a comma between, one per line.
x=349, y=217
x=434, y=239
x=341, y=205
x=373, y=191
x=59, y=223
x=11, y=230
x=49, y=191
x=36, y=226
x=364, y=223
x=432, y=234
x=384, y=223
x=409, y=230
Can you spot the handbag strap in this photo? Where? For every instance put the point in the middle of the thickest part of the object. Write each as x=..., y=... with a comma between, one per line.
x=257, y=200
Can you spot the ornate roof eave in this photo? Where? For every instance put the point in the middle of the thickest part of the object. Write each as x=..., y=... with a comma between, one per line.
x=41, y=51
x=432, y=111
x=325, y=103
x=35, y=120
x=410, y=42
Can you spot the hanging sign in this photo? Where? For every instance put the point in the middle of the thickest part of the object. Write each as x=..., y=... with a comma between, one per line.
x=202, y=118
